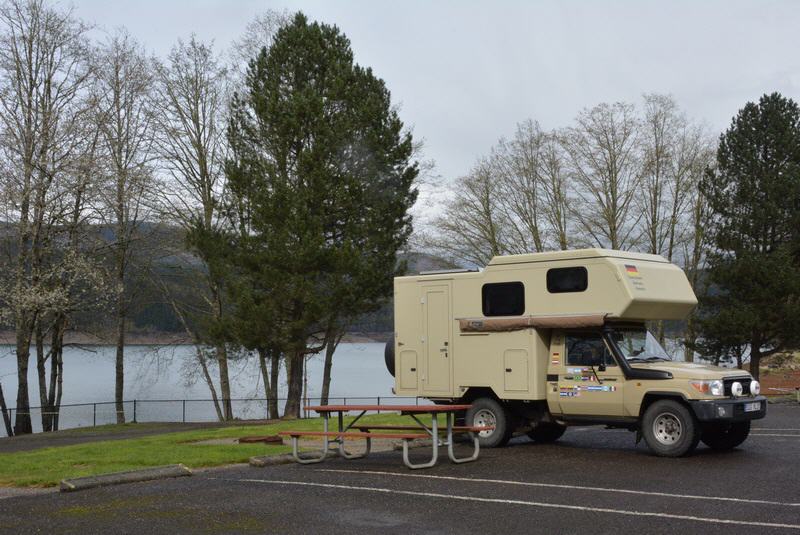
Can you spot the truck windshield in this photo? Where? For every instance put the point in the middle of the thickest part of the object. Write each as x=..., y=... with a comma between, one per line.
x=639, y=345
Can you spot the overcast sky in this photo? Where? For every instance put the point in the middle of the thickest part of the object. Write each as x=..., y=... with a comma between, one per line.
x=464, y=73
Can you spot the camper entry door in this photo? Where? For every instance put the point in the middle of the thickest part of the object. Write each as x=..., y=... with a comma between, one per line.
x=437, y=341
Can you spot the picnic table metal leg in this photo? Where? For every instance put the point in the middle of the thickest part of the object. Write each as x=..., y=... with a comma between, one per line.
x=450, y=452
x=434, y=447
x=340, y=440
x=312, y=460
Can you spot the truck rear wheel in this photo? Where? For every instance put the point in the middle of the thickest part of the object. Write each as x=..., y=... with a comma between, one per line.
x=546, y=432
x=669, y=429
x=487, y=412
x=718, y=438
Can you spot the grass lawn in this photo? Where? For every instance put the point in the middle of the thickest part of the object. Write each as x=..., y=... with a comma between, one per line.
x=48, y=466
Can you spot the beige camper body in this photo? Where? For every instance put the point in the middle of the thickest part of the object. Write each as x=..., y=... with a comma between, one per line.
x=498, y=335
x=439, y=355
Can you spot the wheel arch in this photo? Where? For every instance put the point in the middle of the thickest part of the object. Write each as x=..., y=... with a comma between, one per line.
x=651, y=397
x=475, y=392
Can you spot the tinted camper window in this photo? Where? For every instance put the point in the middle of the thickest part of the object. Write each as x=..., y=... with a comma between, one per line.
x=571, y=279
x=503, y=299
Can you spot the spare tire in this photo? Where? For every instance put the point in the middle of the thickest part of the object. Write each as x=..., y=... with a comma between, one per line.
x=388, y=355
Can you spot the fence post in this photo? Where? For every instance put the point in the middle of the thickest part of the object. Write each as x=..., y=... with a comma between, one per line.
x=94, y=414
x=184, y=411
x=134, y=411
x=379, y=402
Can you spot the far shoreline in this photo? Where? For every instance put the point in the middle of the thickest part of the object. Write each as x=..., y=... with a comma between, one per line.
x=75, y=338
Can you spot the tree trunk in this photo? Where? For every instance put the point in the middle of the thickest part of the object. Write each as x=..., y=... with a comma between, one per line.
x=120, y=366
x=204, y=367
x=56, y=355
x=332, y=342
x=4, y=411
x=275, y=364
x=59, y=359
x=22, y=419
x=263, y=355
x=201, y=358
x=294, y=376
x=689, y=341
x=755, y=360
x=224, y=381
x=44, y=411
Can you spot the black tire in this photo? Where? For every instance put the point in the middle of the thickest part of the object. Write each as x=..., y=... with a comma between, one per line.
x=388, y=355
x=487, y=411
x=670, y=429
x=546, y=432
x=722, y=439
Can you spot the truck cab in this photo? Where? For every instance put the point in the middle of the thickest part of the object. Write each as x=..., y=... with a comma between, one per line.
x=539, y=342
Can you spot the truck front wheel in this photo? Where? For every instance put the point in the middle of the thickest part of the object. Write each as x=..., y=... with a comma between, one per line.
x=718, y=438
x=487, y=412
x=669, y=429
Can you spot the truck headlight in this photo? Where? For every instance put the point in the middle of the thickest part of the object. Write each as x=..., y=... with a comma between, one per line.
x=755, y=388
x=737, y=389
x=713, y=388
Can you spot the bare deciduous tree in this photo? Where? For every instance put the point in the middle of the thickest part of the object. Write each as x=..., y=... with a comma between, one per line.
x=518, y=165
x=124, y=85
x=43, y=75
x=555, y=191
x=190, y=104
x=471, y=229
x=603, y=149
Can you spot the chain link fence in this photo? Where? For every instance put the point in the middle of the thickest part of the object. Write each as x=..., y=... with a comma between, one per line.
x=76, y=415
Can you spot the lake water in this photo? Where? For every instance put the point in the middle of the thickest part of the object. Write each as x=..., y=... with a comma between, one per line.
x=170, y=373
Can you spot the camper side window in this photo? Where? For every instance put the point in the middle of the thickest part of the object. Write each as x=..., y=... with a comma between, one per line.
x=503, y=299
x=570, y=279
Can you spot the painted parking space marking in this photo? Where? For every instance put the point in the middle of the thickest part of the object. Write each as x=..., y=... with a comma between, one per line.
x=571, y=507
x=561, y=486
x=775, y=429
x=773, y=435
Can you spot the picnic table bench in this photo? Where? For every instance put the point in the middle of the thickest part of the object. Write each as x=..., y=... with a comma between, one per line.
x=400, y=432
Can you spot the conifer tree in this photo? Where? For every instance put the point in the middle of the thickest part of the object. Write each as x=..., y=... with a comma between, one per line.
x=321, y=179
x=754, y=267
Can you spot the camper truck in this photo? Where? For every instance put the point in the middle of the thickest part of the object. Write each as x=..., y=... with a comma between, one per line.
x=539, y=342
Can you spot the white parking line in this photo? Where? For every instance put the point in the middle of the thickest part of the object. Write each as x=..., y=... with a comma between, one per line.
x=525, y=502
x=560, y=486
x=774, y=429
x=772, y=435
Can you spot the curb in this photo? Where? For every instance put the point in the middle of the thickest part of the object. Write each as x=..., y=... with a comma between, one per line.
x=118, y=478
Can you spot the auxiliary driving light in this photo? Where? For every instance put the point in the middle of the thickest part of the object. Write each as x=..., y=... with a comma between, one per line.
x=755, y=388
x=737, y=389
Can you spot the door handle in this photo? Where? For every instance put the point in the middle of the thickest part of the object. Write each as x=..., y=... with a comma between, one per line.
x=413, y=369
x=508, y=370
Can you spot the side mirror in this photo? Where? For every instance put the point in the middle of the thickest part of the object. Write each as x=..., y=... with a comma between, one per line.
x=590, y=358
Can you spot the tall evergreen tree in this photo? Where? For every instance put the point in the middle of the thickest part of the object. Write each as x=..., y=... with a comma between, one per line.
x=321, y=180
x=754, y=267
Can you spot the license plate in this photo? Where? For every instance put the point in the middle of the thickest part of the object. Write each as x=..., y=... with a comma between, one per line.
x=752, y=407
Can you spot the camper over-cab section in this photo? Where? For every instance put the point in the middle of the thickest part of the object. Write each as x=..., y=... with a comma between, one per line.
x=456, y=330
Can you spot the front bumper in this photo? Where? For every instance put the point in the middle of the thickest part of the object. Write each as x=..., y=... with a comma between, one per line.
x=728, y=410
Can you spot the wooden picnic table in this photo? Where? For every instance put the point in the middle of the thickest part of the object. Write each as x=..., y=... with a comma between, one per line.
x=401, y=432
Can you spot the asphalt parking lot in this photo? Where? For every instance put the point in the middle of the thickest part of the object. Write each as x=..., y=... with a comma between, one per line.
x=591, y=481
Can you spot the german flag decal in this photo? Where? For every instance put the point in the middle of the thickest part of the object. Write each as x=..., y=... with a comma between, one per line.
x=632, y=271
